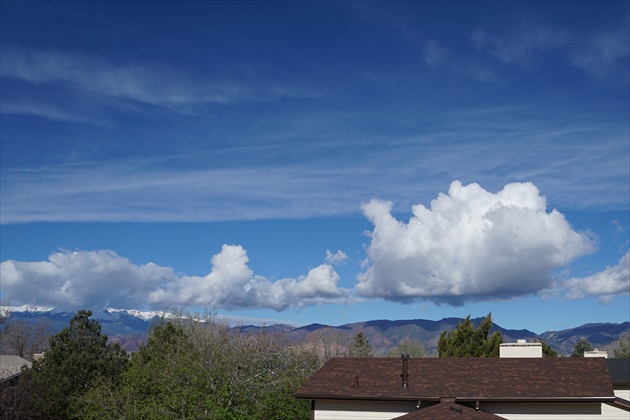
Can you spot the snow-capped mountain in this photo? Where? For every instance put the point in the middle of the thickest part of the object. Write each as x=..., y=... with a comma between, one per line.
x=122, y=324
x=143, y=315
x=27, y=308
x=113, y=321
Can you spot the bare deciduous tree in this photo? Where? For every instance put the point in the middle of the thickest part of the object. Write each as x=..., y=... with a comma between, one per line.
x=408, y=346
x=23, y=338
x=5, y=314
x=326, y=343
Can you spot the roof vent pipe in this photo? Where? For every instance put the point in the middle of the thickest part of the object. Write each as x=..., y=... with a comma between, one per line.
x=405, y=367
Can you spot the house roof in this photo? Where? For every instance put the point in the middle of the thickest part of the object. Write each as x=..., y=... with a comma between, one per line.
x=11, y=366
x=619, y=370
x=448, y=411
x=430, y=379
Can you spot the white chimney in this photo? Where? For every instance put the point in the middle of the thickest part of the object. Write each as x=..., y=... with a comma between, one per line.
x=520, y=349
x=596, y=353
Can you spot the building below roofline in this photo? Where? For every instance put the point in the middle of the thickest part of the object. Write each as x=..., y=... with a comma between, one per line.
x=434, y=388
x=11, y=368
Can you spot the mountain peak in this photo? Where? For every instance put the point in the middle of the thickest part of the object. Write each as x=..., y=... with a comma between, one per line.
x=28, y=308
x=143, y=315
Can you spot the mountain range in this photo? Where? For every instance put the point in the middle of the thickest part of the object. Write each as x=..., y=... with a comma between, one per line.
x=129, y=327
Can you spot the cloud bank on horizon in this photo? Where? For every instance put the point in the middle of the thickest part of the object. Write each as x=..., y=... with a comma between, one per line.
x=469, y=245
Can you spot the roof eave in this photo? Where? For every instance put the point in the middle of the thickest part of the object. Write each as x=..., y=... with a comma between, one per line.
x=365, y=397
x=598, y=399
x=9, y=378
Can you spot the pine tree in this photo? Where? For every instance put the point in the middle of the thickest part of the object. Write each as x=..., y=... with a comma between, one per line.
x=580, y=347
x=360, y=347
x=467, y=341
x=77, y=357
x=547, y=351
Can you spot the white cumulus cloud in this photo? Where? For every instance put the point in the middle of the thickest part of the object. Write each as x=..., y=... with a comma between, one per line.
x=232, y=284
x=99, y=279
x=337, y=258
x=81, y=278
x=470, y=244
x=611, y=282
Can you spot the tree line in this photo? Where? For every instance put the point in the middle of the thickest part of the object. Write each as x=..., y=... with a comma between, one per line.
x=187, y=368
x=201, y=368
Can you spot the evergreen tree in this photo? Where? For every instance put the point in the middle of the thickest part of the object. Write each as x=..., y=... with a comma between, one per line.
x=580, y=347
x=467, y=341
x=77, y=356
x=360, y=347
x=547, y=351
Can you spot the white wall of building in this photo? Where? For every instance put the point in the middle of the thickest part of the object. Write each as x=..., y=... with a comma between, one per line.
x=364, y=410
x=556, y=411
x=623, y=392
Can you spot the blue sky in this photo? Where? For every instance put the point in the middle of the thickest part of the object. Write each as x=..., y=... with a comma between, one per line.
x=324, y=162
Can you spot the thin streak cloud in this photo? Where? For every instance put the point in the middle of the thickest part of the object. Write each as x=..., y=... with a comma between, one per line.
x=156, y=85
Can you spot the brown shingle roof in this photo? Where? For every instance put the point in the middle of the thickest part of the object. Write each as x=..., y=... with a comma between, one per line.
x=464, y=379
x=448, y=411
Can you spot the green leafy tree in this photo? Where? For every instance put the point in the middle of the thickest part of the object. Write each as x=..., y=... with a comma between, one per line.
x=547, y=351
x=77, y=356
x=467, y=341
x=408, y=346
x=580, y=347
x=162, y=375
x=360, y=346
x=190, y=369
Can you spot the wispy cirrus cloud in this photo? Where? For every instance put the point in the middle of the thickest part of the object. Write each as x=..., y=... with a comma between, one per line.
x=48, y=111
x=521, y=46
x=603, y=55
x=149, y=84
x=561, y=155
x=434, y=53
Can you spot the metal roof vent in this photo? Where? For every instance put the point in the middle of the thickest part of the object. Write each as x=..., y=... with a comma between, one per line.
x=405, y=370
